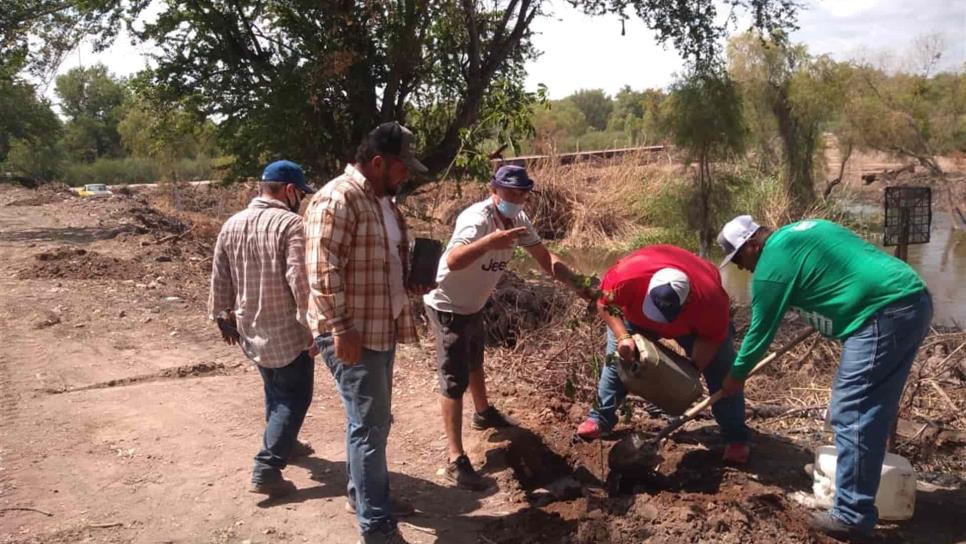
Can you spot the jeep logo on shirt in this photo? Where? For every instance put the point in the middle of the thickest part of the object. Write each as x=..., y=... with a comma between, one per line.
x=495, y=266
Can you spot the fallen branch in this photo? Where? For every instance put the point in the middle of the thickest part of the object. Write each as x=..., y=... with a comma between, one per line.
x=915, y=436
x=797, y=411
x=106, y=525
x=25, y=509
x=942, y=365
x=910, y=430
x=170, y=238
x=943, y=394
x=427, y=530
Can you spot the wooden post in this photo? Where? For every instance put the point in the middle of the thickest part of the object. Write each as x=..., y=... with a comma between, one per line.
x=902, y=248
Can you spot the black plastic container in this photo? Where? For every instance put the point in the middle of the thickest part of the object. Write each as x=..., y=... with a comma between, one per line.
x=425, y=261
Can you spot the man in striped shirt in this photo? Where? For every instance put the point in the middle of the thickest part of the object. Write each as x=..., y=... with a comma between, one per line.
x=259, y=296
x=357, y=256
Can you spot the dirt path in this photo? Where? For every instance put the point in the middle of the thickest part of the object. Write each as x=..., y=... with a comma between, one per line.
x=126, y=420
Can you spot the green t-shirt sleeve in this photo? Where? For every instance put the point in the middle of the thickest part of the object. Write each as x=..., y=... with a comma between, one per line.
x=769, y=300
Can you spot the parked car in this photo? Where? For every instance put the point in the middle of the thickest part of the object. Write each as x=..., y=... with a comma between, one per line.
x=95, y=190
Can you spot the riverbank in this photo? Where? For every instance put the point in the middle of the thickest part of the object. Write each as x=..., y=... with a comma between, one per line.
x=116, y=392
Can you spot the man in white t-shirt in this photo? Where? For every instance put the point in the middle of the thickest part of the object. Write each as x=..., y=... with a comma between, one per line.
x=477, y=255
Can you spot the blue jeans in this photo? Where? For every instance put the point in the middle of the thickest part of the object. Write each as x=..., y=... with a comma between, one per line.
x=729, y=412
x=865, y=401
x=366, y=391
x=288, y=394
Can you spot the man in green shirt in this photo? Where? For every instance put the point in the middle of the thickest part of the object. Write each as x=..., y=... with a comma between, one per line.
x=851, y=291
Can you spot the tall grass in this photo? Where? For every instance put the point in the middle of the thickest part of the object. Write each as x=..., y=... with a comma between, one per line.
x=136, y=170
x=623, y=205
x=586, y=205
x=111, y=171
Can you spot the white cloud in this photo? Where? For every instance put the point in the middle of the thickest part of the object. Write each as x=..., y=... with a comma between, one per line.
x=840, y=8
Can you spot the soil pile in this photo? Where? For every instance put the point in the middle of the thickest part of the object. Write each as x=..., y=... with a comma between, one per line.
x=80, y=264
x=47, y=193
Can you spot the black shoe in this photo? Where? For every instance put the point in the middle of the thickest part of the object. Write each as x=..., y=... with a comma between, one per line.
x=391, y=537
x=399, y=507
x=491, y=418
x=275, y=488
x=832, y=526
x=461, y=473
x=301, y=449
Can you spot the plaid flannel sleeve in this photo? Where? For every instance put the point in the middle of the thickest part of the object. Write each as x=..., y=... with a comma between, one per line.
x=222, y=294
x=337, y=222
x=295, y=274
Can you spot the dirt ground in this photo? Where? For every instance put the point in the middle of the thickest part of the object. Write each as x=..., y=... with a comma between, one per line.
x=124, y=419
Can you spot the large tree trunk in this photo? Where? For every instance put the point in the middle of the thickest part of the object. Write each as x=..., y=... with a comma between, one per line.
x=702, y=223
x=482, y=66
x=799, y=147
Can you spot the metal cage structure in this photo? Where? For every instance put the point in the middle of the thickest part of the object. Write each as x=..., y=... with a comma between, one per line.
x=908, y=216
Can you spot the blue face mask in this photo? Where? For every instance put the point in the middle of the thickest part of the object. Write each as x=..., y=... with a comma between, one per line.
x=508, y=209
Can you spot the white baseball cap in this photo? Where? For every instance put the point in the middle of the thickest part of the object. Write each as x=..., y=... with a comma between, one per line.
x=734, y=235
x=666, y=294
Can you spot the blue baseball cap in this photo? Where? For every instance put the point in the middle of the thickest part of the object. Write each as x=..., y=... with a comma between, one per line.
x=287, y=172
x=666, y=294
x=512, y=177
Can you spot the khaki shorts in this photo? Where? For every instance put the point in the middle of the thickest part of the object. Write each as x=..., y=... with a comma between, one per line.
x=459, y=348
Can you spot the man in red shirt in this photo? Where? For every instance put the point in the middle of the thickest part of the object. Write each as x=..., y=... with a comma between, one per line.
x=664, y=291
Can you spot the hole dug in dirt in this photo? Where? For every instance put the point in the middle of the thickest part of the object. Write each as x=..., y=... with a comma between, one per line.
x=527, y=469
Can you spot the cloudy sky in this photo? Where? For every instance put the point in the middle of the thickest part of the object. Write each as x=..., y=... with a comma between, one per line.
x=581, y=52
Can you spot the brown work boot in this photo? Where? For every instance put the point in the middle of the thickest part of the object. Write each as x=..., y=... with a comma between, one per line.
x=491, y=418
x=462, y=473
x=826, y=523
x=390, y=537
x=301, y=449
x=274, y=488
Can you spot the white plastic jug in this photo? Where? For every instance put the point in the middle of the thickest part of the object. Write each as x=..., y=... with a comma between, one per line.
x=896, y=499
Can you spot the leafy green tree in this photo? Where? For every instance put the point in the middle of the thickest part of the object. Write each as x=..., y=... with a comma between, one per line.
x=38, y=158
x=162, y=130
x=704, y=113
x=557, y=126
x=629, y=103
x=91, y=99
x=696, y=28
x=23, y=116
x=654, y=125
x=595, y=105
x=910, y=115
x=638, y=114
x=37, y=34
x=791, y=96
x=308, y=78
x=29, y=129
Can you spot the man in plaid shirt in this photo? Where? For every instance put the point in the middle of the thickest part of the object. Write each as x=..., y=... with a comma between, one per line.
x=259, y=295
x=357, y=249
